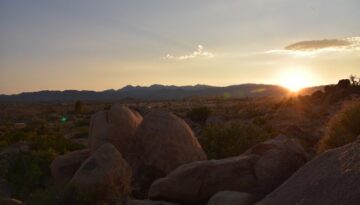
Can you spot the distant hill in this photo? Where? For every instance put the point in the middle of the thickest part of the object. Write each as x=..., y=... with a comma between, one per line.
x=153, y=92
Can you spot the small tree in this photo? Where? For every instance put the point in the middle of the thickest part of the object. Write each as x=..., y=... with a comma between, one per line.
x=355, y=81
x=78, y=107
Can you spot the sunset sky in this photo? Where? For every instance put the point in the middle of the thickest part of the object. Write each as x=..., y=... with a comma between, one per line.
x=98, y=45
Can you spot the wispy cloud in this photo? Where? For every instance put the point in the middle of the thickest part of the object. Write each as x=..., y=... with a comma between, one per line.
x=199, y=53
x=314, y=47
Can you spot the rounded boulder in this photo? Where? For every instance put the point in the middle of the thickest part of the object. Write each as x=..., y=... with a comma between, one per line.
x=64, y=167
x=116, y=126
x=162, y=143
x=105, y=176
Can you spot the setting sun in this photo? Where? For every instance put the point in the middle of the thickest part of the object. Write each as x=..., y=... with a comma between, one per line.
x=295, y=80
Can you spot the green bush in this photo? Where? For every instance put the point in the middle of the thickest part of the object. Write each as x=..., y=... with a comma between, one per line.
x=343, y=128
x=231, y=139
x=199, y=114
x=26, y=171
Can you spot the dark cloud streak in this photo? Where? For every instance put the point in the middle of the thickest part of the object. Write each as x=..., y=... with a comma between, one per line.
x=319, y=44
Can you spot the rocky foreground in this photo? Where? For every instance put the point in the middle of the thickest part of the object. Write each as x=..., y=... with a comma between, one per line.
x=156, y=159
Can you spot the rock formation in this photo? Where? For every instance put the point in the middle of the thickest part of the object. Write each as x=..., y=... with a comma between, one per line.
x=105, y=176
x=332, y=178
x=162, y=143
x=116, y=126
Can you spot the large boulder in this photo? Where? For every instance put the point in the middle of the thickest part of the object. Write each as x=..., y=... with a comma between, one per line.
x=116, y=126
x=162, y=142
x=105, y=176
x=281, y=142
x=279, y=158
x=332, y=178
x=64, y=167
x=196, y=182
x=258, y=172
x=231, y=198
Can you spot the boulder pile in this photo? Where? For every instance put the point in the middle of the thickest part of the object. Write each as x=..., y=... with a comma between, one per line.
x=257, y=172
x=156, y=160
x=126, y=154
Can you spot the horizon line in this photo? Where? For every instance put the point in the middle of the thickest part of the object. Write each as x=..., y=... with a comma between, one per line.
x=149, y=85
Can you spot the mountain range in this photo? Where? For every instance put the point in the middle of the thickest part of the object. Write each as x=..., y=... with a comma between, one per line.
x=153, y=92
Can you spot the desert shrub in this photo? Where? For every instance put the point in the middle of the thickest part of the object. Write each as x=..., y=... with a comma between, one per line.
x=59, y=144
x=26, y=171
x=47, y=196
x=107, y=107
x=81, y=132
x=230, y=139
x=199, y=114
x=82, y=122
x=3, y=143
x=16, y=136
x=38, y=142
x=343, y=128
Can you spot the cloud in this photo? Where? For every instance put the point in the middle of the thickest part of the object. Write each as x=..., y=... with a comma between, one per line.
x=199, y=53
x=311, y=48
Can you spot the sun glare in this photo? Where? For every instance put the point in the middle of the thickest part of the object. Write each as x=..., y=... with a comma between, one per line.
x=295, y=80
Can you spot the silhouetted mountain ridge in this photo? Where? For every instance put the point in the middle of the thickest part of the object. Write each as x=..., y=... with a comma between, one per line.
x=153, y=92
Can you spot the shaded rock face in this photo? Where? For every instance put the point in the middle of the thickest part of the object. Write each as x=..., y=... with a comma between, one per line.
x=231, y=198
x=116, y=126
x=258, y=172
x=332, y=178
x=64, y=167
x=162, y=143
x=148, y=202
x=82, y=141
x=5, y=189
x=105, y=176
x=279, y=158
x=6, y=201
x=196, y=182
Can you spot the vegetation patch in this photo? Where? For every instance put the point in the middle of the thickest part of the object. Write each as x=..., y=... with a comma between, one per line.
x=343, y=128
x=26, y=171
x=199, y=114
x=231, y=139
